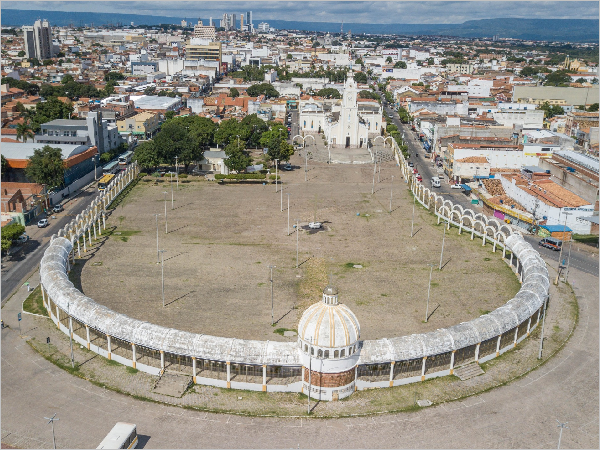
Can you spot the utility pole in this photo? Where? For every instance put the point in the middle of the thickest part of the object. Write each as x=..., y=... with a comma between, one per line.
x=562, y=426
x=443, y=241
x=428, y=291
x=162, y=273
x=171, y=190
x=157, y=251
x=297, y=233
x=272, y=317
x=566, y=214
x=51, y=420
x=276, y=177
x=71, y=334
x=543, y=322
x=374, y=170
x=166, y=228
x=412, y=224
x=568, y=258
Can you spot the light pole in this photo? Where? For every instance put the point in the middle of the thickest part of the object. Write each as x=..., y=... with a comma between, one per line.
x=276, y=177
x=568, y=258
x=305, y=160
x=443, y=241
x=428, y=291
x=171, y=190
x=561, y=247
x=157, y=251
x=297, y=233
x=95, y=172
x=162, y=273
x=412, y=224
x=543, y=323
x=288, y=208
x=166, y=229
x=391, y=192
x=51, y=420
x=562, y=426
x=374, y=170
x=177, y=171
x=272, y=318
x=70, y=334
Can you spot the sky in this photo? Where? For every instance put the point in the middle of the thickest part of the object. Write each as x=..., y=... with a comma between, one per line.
x=442, y=12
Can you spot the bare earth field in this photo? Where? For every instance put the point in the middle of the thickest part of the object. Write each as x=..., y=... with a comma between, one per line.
x=222, y=239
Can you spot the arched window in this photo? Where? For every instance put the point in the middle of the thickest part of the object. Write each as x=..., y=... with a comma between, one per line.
x=343, y=354
x=336, y=354
x=320, y=353
x=312, y=123
x=326, y=355
x=304, y=124
x=305, y=348
x=312, y=351
x=376, y=125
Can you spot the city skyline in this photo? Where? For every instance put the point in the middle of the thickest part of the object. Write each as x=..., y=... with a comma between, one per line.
x=438, y=12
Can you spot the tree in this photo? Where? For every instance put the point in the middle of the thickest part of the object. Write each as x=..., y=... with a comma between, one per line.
x=169, y=115
x=529, y=71
x=173, y=140
x=275, y=141
x=329, y=93
x=265, y=89
x=227, y=132
x=430, y=61
x=580, y=80
x=66, y=79
x=388, y=60
x=114, y=76
x=593, y=107
x=24, y=131
x=237, y=157
x=46, y=166
x=233, y=92
x=289, y=57
x=551, y=110
x=359, y=62
x=10, y=233
x=149, y=90
x=21, y=54
x=5, y=167
x=252, y=128
x=360, y=77
x=146, y=156
x=368, y=94
x=558, y=78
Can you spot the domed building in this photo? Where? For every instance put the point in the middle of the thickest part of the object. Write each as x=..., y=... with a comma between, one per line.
x=328, y=335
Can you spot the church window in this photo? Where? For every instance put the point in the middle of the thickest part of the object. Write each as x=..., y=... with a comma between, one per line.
x=336, y=354
x=304, y=124
x=326, y=355
x=343, y=353
x=320, y=353
x=312, y=351
x=312, y=122
x=376, y=125
x=305, y=348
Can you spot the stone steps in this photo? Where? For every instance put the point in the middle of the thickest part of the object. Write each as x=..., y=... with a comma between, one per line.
x=468, y=371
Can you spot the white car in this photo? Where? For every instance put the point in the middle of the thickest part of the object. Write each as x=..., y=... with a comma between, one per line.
x=455, y=186
x=315, y=225
x=43, y=223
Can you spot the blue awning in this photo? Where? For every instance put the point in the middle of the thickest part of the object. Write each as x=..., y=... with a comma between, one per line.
x=556, y=228
x=465, y=187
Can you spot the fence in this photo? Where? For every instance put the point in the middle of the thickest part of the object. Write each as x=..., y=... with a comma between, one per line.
x=276, y=366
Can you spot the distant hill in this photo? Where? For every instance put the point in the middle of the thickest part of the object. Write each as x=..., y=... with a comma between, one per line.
x=565, y=30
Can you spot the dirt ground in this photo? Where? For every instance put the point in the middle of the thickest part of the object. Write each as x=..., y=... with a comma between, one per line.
x=222, y=239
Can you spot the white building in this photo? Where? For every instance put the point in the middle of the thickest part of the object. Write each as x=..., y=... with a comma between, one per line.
x=38, y=40
x=525, y=118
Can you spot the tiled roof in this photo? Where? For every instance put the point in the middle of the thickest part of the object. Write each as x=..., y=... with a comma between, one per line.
x=473, y=159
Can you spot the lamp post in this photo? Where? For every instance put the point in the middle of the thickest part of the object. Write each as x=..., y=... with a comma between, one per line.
x=391, y=192
x=177, y=171
x=568, y=258
x=543, y=323
x=162, y=273
x=272, y=317
x=443, y=241
x=374, y=170
x=288, y=209
x=171, y=174
x=561, y=247
x=305, y=160
x=428, y=291
x=157, y=251
x=276, y=175
x=70, y=334
x=95, y=172
x=51, y=420
x=412, y=224
x=562, y=426
x=297, y=233
x=166, y=229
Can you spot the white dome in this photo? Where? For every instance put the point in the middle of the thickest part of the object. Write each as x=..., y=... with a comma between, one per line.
x=329, y=324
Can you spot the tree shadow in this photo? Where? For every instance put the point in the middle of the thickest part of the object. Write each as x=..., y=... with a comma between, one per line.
x=182, y=206
x=449, y=259
x=415, y=233
x=282, y=317
x=175, y=256
x=434, y=310
x=180, y=228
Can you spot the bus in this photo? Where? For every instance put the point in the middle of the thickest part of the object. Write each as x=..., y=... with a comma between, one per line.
x=111, y=167
x=125, y=158
x=123, y=435
x=105, y=181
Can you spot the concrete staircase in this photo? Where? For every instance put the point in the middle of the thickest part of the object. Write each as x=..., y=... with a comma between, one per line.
x=468, y=371
x=172, y=383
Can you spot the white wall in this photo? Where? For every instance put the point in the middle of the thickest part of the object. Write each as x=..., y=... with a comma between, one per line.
x=528, y=119
x=499, y=159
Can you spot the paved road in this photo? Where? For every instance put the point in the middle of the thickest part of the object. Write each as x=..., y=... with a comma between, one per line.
x=16, y=270
x=520, y=415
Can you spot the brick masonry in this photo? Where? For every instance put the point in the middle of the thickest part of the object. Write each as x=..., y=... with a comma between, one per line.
x=329, y=380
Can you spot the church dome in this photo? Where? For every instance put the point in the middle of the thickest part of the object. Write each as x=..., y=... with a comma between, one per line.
x=329, y=324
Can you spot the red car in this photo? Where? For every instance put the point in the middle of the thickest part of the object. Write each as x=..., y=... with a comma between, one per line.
x=415, y=170
x=419, y=177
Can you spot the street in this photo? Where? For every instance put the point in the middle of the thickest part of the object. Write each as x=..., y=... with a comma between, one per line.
x=16, y=269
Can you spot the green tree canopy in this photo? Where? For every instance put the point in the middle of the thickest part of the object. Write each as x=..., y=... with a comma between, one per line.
x=558, y=78
x=5, y=167
x=146, y=155
x=593, y=107
x=227, y=132
x=173, y=140
x=265, y=89
x=233, y=92
x=21, y=54
x=551, y=110
x=46, y=166
x=253, y=128
x=12, y=231
x=329, y=93
x=359, y=62
x=360, y=77
x=400, y=65
x=369, y=94
x=114, y=76
x=66, y=79
x=50, y=110
x=276, y=141
x=237, y=157
x=24, y=131
x=388, y=60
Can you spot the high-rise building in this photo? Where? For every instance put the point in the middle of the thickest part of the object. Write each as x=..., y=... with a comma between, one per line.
x=225, y=21
x=184, y=23
x=263, y=27
x=232, y=22
x=210, y=22
x=38, y=40
x=242, y=22
x=249, y=23
x=204, y=31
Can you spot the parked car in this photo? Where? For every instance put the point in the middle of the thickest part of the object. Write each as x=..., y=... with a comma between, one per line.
x=455, y=186
x=435, y=182
x=551, y=243
x=315, y=225
x=288, y=166
x=43, y=223
x=411, y=164
x=419, y=177
x=22, y=239
x=415, y=170
x=58, y=208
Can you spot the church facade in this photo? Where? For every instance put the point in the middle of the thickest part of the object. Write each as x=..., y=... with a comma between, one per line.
x=349, y=122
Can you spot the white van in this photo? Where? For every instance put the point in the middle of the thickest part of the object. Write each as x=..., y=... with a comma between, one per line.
x=435, y=182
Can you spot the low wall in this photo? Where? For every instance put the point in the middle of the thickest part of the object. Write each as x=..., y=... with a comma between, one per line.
x=275, y=366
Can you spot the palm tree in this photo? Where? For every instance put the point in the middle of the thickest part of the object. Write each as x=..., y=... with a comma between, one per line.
x=24, y=131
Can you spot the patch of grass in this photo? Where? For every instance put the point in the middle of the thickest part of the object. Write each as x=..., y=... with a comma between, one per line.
x=280, y=331
x=34, y=303
x=487, y=259
x=586, y=238
x=384, y=295
x=112, y=362
x=483, y=312
x=434, y=284
x=131, y=370
x=261, y=284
